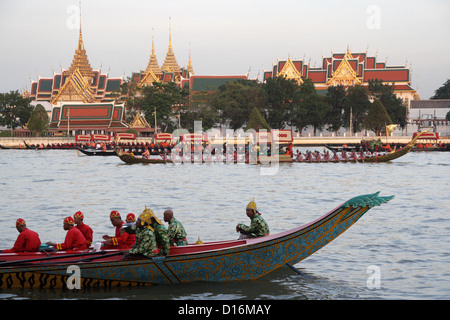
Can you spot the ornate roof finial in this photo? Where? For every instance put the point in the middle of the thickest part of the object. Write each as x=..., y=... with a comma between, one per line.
x=190, y=69
x=170, y=63
x=153, y=61
x=80, y=60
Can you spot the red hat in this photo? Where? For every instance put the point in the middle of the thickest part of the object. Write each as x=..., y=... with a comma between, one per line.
x=114, y=214
x=68, y=220
x=78, y=214
x=131, y=217
x=20, y=222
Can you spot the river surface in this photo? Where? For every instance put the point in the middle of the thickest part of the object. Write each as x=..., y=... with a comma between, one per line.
x=400, y=250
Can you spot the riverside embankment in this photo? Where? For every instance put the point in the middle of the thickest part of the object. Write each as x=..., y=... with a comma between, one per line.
x=19, y=142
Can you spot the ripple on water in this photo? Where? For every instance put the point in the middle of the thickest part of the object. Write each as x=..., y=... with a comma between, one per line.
x=407, y=238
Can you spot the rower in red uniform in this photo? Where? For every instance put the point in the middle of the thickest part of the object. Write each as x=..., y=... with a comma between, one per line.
x=87, y=232
x=74, y=238
x=27, y=241
x=122, y=239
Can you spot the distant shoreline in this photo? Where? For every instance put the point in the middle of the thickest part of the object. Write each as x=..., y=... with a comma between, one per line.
x=298, y=141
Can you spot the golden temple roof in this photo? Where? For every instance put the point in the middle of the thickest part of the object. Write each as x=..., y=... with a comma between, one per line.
x=344, y=75
x=153, y=61
x=190, y=69
x=80, y=60
x=170, y=63
x=290, y=72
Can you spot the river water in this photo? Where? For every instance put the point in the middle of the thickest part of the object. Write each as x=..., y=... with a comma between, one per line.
x=399, y=250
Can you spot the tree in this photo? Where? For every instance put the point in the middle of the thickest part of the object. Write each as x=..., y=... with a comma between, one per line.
x=447, y=116
x=256, y=121
x=14, y=109
x=316, y=107
x=443, y=92
x=39, y=120
x=161, y=98
x=337, y=99
x=358, y=106
x=283, y=102
x=377, y=118
x=234, y=101
x=394, y=105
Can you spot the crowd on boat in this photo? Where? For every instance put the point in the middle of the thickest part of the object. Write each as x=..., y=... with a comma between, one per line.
x=343, y=156
x=144, y=237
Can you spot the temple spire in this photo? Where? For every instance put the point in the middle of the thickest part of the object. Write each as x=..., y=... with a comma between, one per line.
x=153, y=61
x=80, y=60
x=190, y=69
x=170, y=63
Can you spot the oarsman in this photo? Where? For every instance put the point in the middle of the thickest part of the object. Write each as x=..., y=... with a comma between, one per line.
x=74, y=238
x=177, y=234
x=86, y=230
x=27, y=241
x=121, y=240
x=145, y=246
x=160, y=231
x=258, y=226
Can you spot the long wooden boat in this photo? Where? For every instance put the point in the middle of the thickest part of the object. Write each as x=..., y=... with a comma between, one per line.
x=357, y=156
x=234, y=260
x=131, y=158
x=98, y=152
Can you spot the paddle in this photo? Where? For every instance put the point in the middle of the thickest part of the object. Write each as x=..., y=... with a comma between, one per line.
x=23, y=263
x=16, y=262
x=295, y=269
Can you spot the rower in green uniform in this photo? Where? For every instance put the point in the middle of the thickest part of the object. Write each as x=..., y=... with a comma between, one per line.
x=145, y=246
x=258, y=226
x=161, y=234
x=177, y=234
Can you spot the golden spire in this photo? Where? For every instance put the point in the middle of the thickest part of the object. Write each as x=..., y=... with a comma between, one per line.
x=153, y=62
x=170, y=63
x=190, y=69
x=80, y=60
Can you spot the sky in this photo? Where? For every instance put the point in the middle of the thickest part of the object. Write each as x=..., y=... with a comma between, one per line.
x=230, y=37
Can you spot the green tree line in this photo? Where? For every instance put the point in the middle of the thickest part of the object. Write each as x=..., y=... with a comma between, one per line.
x=278, y=103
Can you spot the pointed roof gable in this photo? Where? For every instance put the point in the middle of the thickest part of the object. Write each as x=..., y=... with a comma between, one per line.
x=291, y=72
x=344, y=74
x=75, y=89
x=139, y=122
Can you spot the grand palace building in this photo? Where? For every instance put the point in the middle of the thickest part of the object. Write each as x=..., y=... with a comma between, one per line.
x=347, y=69
x=82, y=100
x=86, y=101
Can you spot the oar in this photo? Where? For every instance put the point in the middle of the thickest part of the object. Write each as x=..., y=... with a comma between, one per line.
x=23, y=263
x=9, y=263
x=295, y=269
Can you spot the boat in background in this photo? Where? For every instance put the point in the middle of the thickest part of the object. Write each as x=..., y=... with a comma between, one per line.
x=234, y=260
x=352, y=157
